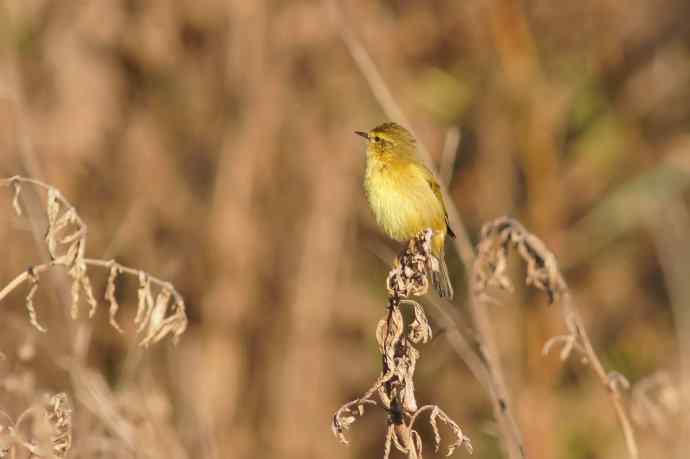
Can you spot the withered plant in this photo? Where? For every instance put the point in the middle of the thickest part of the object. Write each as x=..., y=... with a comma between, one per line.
x=45, y=428
x=161, y=309
x=42, y=430
x=409, y=279
x=394, y=388
x=501, y=236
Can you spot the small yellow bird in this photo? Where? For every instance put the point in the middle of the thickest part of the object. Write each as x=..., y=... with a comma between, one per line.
x=404, y=195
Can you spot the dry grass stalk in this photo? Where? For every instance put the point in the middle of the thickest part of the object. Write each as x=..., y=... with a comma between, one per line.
x=66, y=242
x=395, y=385
x=497, y=239
x=43, y=430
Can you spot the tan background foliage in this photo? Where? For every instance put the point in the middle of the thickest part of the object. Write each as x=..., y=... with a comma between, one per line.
x=210, y=143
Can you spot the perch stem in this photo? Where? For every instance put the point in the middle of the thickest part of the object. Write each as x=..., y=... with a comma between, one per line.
x=24, y=276
x=500, y=402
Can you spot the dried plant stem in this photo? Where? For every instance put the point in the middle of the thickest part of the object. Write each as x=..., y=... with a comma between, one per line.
x=17, y=179
x=108, y=264
x=409, y=278
x=611, y=381
x=458, y=339
x=500, y=401
x=403, y=433
x=503, y=234
x=20, y=279
x=159, y=314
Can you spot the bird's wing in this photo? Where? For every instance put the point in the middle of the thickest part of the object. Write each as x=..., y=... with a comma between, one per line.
x=433, y=184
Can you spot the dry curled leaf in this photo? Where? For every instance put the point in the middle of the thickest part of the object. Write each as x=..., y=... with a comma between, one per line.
x=420, y=330
x=497, y=239
x=17, y=188
x=30, y=307
x=110, y=296
x=145, y=301
x=59, y=414
x=90, y=298
x=174, y=325
x=155, y=319
x=77, y=272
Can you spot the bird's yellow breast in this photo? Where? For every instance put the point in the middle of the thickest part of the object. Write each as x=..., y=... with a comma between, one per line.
x=401, y=198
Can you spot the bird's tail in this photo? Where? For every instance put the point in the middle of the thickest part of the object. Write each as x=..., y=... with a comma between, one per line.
x=441, y=280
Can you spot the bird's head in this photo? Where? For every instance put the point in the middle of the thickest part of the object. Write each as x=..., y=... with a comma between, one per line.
x=391, y=139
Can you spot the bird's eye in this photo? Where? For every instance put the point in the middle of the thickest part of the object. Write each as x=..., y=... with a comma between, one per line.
x=377, y=138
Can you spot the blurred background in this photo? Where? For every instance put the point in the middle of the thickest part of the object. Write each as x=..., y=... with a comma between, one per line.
x=210, y=142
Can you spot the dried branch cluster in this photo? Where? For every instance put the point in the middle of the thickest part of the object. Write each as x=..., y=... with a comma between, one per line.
x=396, y=340
x=43, y=430
x=497, y=239
x=161, y=309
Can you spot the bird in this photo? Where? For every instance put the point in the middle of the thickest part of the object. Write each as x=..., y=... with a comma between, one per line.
x=404, y=195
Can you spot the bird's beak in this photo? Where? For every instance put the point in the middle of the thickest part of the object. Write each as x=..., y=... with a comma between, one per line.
x=362, y=134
